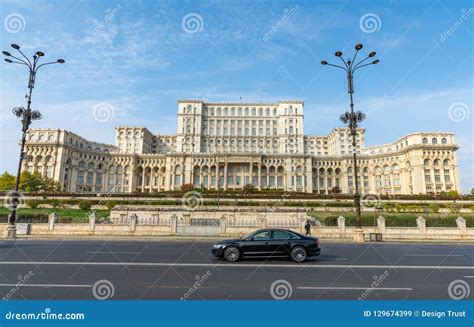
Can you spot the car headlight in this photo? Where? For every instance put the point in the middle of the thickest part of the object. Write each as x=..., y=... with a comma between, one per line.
x=217, y=246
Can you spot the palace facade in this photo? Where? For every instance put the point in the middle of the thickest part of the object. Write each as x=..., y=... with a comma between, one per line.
x=230, y=145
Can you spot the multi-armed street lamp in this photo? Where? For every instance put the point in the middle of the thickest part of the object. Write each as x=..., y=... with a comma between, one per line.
x=27, y=116
x=353, y=119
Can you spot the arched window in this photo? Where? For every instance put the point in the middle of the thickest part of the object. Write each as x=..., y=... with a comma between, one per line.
x=434, y=140
x=426, y=162
x=424, y=140
x=444, y=141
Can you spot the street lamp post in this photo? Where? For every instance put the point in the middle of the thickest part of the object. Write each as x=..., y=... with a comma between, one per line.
x=353, y=119
x=27, y=116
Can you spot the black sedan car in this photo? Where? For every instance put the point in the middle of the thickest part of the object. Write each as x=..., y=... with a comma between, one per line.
x=266, y=243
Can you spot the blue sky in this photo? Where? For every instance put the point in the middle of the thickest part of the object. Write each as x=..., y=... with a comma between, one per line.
x=135, y=59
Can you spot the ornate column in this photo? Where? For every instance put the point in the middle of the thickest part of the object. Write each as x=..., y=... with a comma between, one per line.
x=225, y=175
x=259, y=178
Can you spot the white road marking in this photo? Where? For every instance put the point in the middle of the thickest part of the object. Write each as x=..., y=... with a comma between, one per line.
x=179, y=287
x=109, y=252
x=43, y=285
x=434, y=255
x=355, y=288
x=468, y=276
x=226, y=265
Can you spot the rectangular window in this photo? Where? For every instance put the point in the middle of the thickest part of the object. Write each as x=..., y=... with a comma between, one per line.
x=447, y=177
x=427, y=175
x=98, y=179
x=299, y=182
x=89, y=177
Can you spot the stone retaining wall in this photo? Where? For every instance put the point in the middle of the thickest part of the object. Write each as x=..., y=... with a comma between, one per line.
x=166, y=221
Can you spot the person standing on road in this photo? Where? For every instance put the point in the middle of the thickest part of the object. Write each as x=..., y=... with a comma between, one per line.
x=307, y=227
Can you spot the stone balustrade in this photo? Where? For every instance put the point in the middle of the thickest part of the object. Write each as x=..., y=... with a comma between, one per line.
x=236, y=224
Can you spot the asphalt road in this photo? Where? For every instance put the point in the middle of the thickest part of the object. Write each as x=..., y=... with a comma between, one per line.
x=174, y=270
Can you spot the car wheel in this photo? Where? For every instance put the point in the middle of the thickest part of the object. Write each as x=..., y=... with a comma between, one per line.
x=232, y=254
x=298, y=254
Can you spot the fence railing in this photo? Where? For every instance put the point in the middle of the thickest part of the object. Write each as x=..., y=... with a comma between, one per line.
x=153, y=221
x=242, y=223
x=282, y=224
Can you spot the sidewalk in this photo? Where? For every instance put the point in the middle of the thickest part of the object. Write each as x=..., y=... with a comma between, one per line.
x=205, y=239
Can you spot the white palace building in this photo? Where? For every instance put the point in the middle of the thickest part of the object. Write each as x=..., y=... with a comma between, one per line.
x=235, y=144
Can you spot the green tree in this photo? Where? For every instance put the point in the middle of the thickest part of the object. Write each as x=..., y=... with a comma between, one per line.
x=85, y=205
x=110, y=204
x=49, y=185
x=33, y=204
x=30, y=182
x=7, y=181
x=35, y=182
